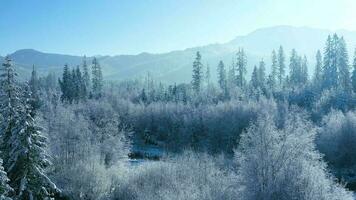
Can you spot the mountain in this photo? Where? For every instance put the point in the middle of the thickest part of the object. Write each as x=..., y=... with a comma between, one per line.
x=175, y=66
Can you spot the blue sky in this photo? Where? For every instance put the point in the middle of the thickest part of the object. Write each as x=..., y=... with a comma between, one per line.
x=112, y=27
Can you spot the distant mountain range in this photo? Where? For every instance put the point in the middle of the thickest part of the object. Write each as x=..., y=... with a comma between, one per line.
x=175, y=66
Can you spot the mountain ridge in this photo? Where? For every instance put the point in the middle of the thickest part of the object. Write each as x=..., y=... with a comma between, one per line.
x=175, y=66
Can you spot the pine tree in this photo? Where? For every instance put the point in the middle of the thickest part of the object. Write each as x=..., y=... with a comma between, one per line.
x=274, y=70
x=197, y=73
x=318, y=70
x=241, y=67
x=231, y=76
x=304, y=70
x=207, y=75
x=28, y=159
x=254, y=78
x=86, y=76
x=10, y=107
x=34, y=86
x=262, y=74
x=222, y=76
x=65, y=84
x=354, y=74
x=295, y=69
x=330, y=72
x=281, y=66
x=343, y=65
x=97, y=79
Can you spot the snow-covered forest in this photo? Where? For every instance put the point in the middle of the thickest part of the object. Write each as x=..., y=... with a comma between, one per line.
x=282, y=133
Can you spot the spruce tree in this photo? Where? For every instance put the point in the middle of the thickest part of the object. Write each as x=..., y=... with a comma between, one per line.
x=10, y=107
x=353, y=78
x=304, y=71
x=274, y=70
x=281, y=66
x=28, y=159
x=241, y=67
x=295, y=69
x=65, y=84
x=343, y=66
x=197, y=73
x=97, y=79
x=318, y=70
x=86, y=76
x=34, y=86
x=262, y=74
x=254, y=78
x=222, y=76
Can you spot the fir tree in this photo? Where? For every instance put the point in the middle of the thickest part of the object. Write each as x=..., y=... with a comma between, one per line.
x=274, y=70
x=281, y=66
x=10, y=107
x=295, y=69
x=241, y=67
x=34, y=86
x=254, y=78
x=66, y=84
x=262, y=74
x=97, y=79
x=343, y=65
x=86, y=77
x=222, y=76
x=197, y=73
x=318, y=70
x=304, y=70
x=353, y=78
x=28, y=159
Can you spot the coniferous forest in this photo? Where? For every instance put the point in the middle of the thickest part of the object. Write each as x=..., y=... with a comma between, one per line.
x=280, y=132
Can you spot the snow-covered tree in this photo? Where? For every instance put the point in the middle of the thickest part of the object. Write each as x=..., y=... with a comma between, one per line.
x=197, y=73
x=97, y=79
x=29, y=159
x=317, y=79
x=10, y=107
x=283, y=163
x=241, y=64
x=281, y=66
x=5, y=188
x=353, y=77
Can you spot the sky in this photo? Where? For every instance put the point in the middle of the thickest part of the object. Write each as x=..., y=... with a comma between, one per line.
x=113, y=27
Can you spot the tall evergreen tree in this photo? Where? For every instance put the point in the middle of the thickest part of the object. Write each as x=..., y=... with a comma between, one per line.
x=281, y=66
x=330, y=72
x=97, y=79
x=304, y=71
x=10, y=107
x=28, y=159
x=262, y=74
x=343, y=66
x=354, y=73
x=207, y=75
x=34, y=86
x=241, y=67
x=295, y=69
x=66, y=84
x=86, y=76
x=274, y=70
x=222, y=76
x=317, y=79
x=254, y=78
x=197, y=73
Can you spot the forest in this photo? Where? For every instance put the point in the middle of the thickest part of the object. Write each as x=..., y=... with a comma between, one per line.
x=282, y=133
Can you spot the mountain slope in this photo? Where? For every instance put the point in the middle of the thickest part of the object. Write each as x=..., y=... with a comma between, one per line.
x=175, y=66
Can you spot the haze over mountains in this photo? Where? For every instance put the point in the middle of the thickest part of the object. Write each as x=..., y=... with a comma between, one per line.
x=175, y=66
